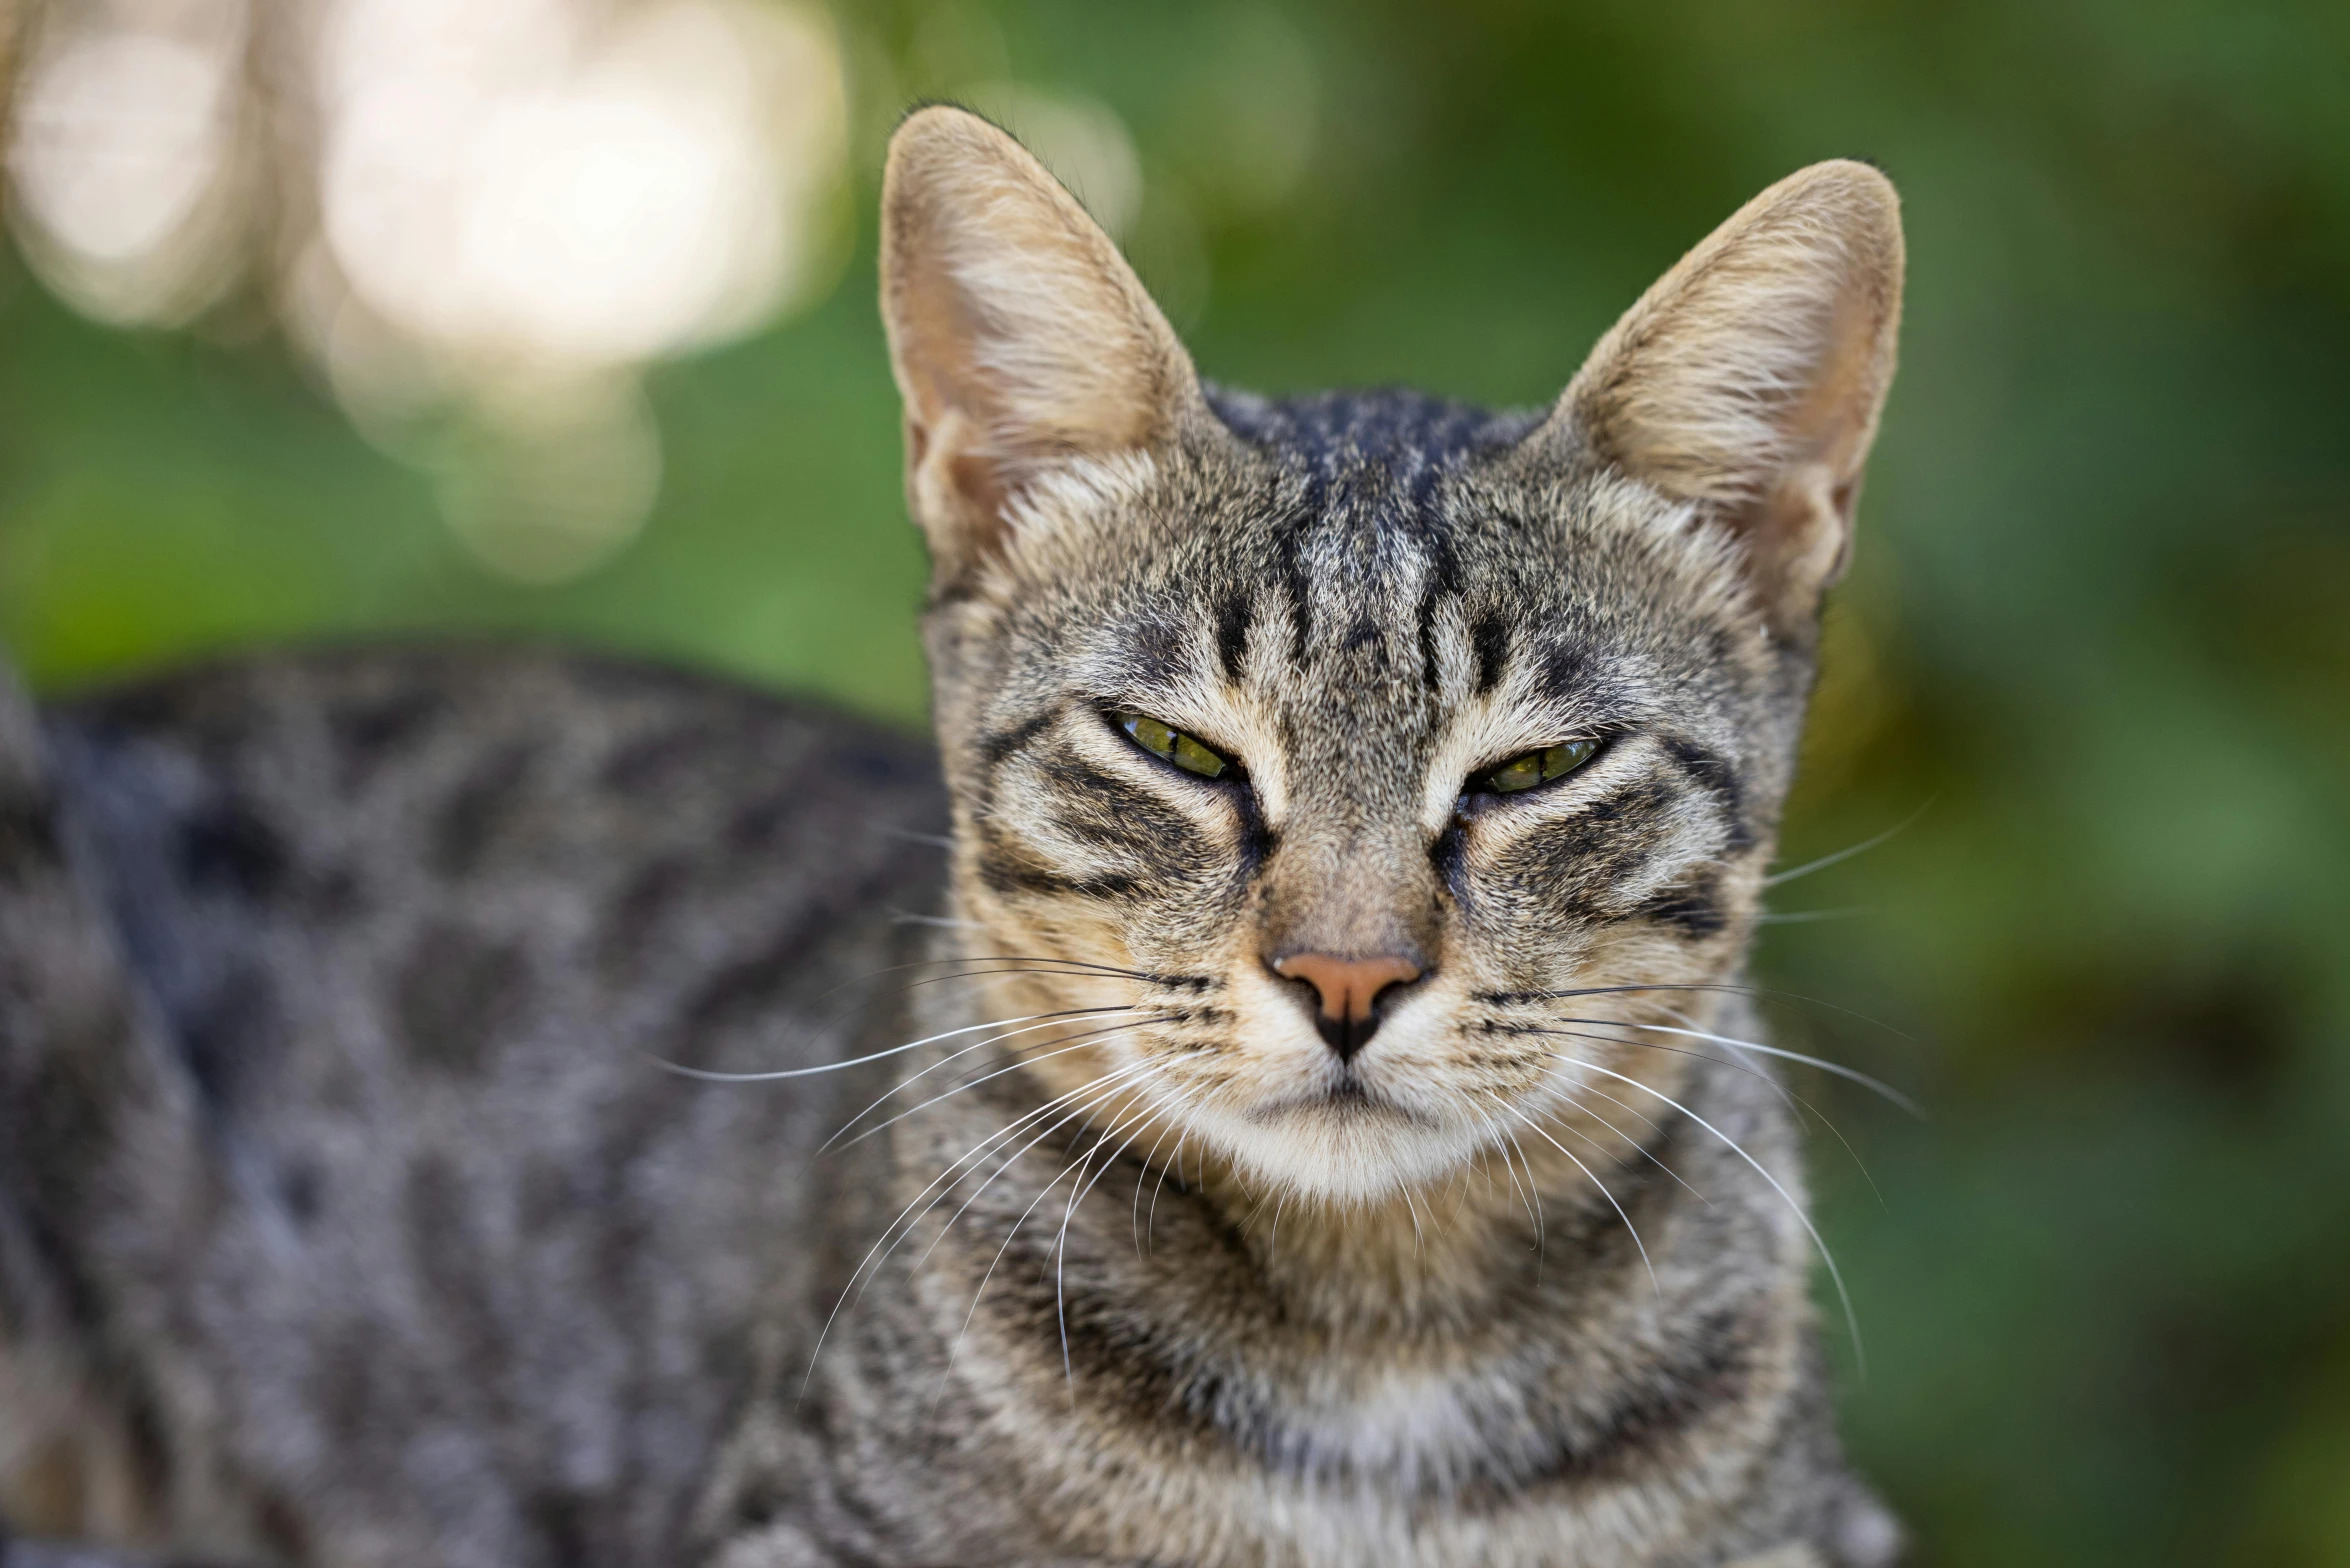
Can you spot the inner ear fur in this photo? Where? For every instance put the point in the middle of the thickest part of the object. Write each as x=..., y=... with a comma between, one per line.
x=1749, y=379
x=1019, y=336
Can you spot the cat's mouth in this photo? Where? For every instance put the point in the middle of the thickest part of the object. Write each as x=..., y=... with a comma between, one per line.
x=1345, y=1094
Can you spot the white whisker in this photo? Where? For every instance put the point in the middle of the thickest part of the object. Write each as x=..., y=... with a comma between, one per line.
x=1002, y=1247
x=1824, y=1065
x=1629, y=1227
x=1148, y=1160
x=1175, y=1162
x=1108, y=1084
x=1787, y=1096
x=1634, y=1142
x=884, y=1240
x=1851, y=1318
x=1071, y=968
x=1528, y=1192
x=1861, y=848
x=1077, y=1042
x=1761, y=991
x=706, y=1076
x=934, y=840
x=1060, y=1250
x=1050, y=1020
x=1794, y=1102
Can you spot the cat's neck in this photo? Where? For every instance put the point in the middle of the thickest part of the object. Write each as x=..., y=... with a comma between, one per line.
x=1433, y=1260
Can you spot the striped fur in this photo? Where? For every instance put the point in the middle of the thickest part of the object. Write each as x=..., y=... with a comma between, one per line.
x=1506, y=1287
x=346, y=1218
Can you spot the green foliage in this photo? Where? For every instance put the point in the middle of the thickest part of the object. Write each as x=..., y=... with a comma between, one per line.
x=2097, y=642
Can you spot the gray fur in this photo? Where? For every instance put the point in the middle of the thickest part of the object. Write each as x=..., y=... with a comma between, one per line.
x=342, y=1186
x=349, y=1216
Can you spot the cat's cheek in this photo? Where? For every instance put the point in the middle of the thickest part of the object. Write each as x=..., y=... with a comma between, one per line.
x=1516, y=896
x=1060, y=827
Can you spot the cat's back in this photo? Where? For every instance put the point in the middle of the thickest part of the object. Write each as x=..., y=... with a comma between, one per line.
x=485, y=849
x=449, y=1258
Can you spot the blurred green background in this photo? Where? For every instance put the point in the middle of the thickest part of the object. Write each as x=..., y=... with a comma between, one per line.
x=2095, y=651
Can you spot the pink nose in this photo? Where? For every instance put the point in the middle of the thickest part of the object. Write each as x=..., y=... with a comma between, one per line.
x=1349, y=989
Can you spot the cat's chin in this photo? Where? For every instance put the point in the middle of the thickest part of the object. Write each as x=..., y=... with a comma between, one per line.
x=1345, y=1146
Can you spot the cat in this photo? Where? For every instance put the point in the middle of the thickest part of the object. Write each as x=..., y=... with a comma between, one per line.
x=1275, y=1086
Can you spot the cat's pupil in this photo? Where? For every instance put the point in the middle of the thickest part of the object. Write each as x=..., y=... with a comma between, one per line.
x=1163, y=740
x=1537, y=767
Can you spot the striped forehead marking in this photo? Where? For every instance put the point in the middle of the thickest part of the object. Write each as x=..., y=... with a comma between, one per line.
x=1358, y=476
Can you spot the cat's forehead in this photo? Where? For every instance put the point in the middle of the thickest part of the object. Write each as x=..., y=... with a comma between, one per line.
x=1365, y=562
x=1372, y=559
x=1358, y=500
x=1366, y=516
x=1408, y=434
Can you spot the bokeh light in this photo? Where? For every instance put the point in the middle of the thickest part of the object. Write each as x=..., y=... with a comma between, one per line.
x=510, y=185
x=502, y=212
x=122, y=156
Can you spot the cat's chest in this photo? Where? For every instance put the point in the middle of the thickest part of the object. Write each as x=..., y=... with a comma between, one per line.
x=1333, y=1464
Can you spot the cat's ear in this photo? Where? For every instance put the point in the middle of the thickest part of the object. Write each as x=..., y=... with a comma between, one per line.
x=1020, y=338
x=1749, y=378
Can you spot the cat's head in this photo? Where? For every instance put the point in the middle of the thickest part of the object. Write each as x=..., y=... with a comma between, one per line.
x=1393, y=762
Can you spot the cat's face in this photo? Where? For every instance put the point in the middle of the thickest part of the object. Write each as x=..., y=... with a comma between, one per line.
x=1349, y=787
x=1361, y=653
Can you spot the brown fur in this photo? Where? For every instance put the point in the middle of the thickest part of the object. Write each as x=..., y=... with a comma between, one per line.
x=1232, y=1388
x=344, y=1218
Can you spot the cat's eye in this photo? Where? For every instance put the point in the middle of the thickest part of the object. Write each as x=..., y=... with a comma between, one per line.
x=1523, y=772
x=1164, y=740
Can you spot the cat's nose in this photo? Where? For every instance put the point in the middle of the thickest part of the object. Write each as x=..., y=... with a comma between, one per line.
x=1349, y=990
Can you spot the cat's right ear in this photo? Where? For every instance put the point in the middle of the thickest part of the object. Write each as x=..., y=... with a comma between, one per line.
x=1021, y=340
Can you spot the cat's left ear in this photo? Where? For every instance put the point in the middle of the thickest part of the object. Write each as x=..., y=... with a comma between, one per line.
x=1748, y=380
x=1020, y=337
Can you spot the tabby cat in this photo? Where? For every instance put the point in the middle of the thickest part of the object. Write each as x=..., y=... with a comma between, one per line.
x=490, y=1108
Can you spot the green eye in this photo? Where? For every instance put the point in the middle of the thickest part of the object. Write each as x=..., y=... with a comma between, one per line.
x=1535, y=767
x=1163, y=740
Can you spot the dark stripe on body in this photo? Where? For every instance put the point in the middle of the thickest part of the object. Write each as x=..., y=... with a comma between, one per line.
x=477, y=814
x=1653, y=1416
x=1426, y=619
